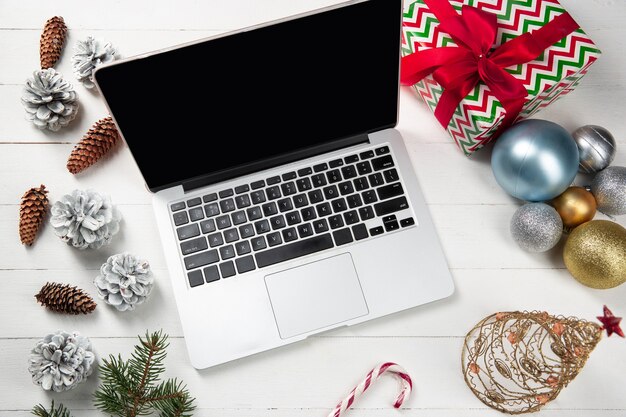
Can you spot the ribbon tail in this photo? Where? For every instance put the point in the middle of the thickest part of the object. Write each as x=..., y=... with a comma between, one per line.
x=418, y=65
x=507, y=89
x=450, y=99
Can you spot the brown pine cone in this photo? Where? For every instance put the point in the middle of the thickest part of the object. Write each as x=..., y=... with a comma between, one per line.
x=33, y=209
x=63, y=298
x=99, y=140
x=51, y=41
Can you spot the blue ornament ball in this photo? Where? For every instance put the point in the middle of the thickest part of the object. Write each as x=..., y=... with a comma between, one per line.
x=535, y=160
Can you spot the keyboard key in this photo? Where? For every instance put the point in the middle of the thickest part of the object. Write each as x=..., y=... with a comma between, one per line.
x=196, y=214
x=339, y=205
x=351, y=217
x=242, y=201
x=331, y=192
x=195, y=278
x=335, y=163
x=289, y=176
x=207, y=226
x=223, y=222
x=211, y=273
x=300, y=200
x=211, y=210
x=227, y=252
x=274, y=239
x=369, y=197
x=269, y=209
x=227, y=205
x=187, y=232
x=308, y=213
x=180, y=218
x=366, y=213
x=391, y=175
x=363, y=168
x=194, y=202
x=351, y=159
x=316, y=196
x=391, y=206
x=246, y=231
x=215, y=239
x=305, y=230
x=289, y=234
x=231, y=235
x=257, y=184
x=361, y=184
x=193, y=246
x=374, y=231
x=304, y=184
x=254, y=213
x=391, y=190
x=349, y=172
x=335, y=221
x=382, y=151
x=319, y=180
x=245, y=264
x=226, y=193
x=242, y=189
x=258, y=243
x=342, y=236
x=177, y=206
x=392, y=225
x=293, y=218
x=359, y=231
x=227, y=269
x=201, y=259
x=376, y=179
x=320, y=226
x=293, y=250
x=334, y=176
x=273, y=180
x=323, y=209
x=289, y=188
x=320, y=167
x=383, y=162
x=257, y=197
x=239, y=217
x=209, y=197
x=262, y=226
x=273, y=193
x=243, y=247
x=407, y=222
x=277, y=222
x=285, y=205
x=304, y=172
x=346, y=188
x=354, y=201
x=367, y=154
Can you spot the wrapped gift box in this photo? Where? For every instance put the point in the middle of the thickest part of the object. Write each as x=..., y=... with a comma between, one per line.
x=556, y=72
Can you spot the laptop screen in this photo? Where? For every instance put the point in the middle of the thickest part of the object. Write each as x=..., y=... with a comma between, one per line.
x=250, y=100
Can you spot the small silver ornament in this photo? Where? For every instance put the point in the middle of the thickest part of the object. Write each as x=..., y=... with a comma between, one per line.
x=609, y=189
x=89, y=54
x=125, y=281
x=596, y=147
x=536, y=227
x=60, y=361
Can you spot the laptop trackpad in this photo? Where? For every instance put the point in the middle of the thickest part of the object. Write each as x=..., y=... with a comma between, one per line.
x=316, y=295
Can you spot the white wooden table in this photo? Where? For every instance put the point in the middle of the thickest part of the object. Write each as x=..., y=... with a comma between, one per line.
x=306, y=379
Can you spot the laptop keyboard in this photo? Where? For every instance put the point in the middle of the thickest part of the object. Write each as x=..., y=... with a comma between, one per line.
x=312, y=209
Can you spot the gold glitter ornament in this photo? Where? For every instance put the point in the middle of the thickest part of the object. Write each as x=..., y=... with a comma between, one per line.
x=595, y=254
x=575, y=206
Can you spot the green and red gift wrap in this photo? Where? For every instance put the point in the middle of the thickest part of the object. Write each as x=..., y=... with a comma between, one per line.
x=481, y=65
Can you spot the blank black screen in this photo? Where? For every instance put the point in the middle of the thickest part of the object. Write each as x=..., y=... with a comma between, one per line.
x=243, y=98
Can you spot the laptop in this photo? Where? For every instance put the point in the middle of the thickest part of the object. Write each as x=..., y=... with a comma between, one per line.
x=286, y=201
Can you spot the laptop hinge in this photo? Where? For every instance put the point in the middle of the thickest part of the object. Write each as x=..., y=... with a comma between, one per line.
x=300, y=154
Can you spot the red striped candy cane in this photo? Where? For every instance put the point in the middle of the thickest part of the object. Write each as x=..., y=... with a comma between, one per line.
x=373, y=375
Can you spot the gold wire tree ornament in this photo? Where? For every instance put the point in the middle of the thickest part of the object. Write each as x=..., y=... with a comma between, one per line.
x=516, y=362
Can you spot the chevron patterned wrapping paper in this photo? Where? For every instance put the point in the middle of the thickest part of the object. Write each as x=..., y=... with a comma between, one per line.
x=552, y=75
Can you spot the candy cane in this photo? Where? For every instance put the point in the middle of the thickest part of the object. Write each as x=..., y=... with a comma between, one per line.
x=374, y=374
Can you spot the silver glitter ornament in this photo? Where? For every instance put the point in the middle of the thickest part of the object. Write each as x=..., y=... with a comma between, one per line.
x=536, y=227
x=596, y=147
x=609, y=189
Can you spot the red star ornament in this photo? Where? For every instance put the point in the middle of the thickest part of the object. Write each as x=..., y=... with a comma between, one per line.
x=610, y=323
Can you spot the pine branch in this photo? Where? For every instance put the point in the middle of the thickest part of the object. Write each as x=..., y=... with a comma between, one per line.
x=129, y=388
x=60, y=411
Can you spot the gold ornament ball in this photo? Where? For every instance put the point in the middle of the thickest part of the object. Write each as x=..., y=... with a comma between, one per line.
x=575, y=206
x=595, y=254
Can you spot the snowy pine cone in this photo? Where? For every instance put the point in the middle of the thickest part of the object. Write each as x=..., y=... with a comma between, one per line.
x=124, y=281
x=88, y=54
x=60, y=361
x=49, y=100
x=85, y=219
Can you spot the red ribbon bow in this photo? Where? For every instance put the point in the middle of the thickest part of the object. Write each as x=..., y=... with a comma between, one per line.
x=459, y=69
